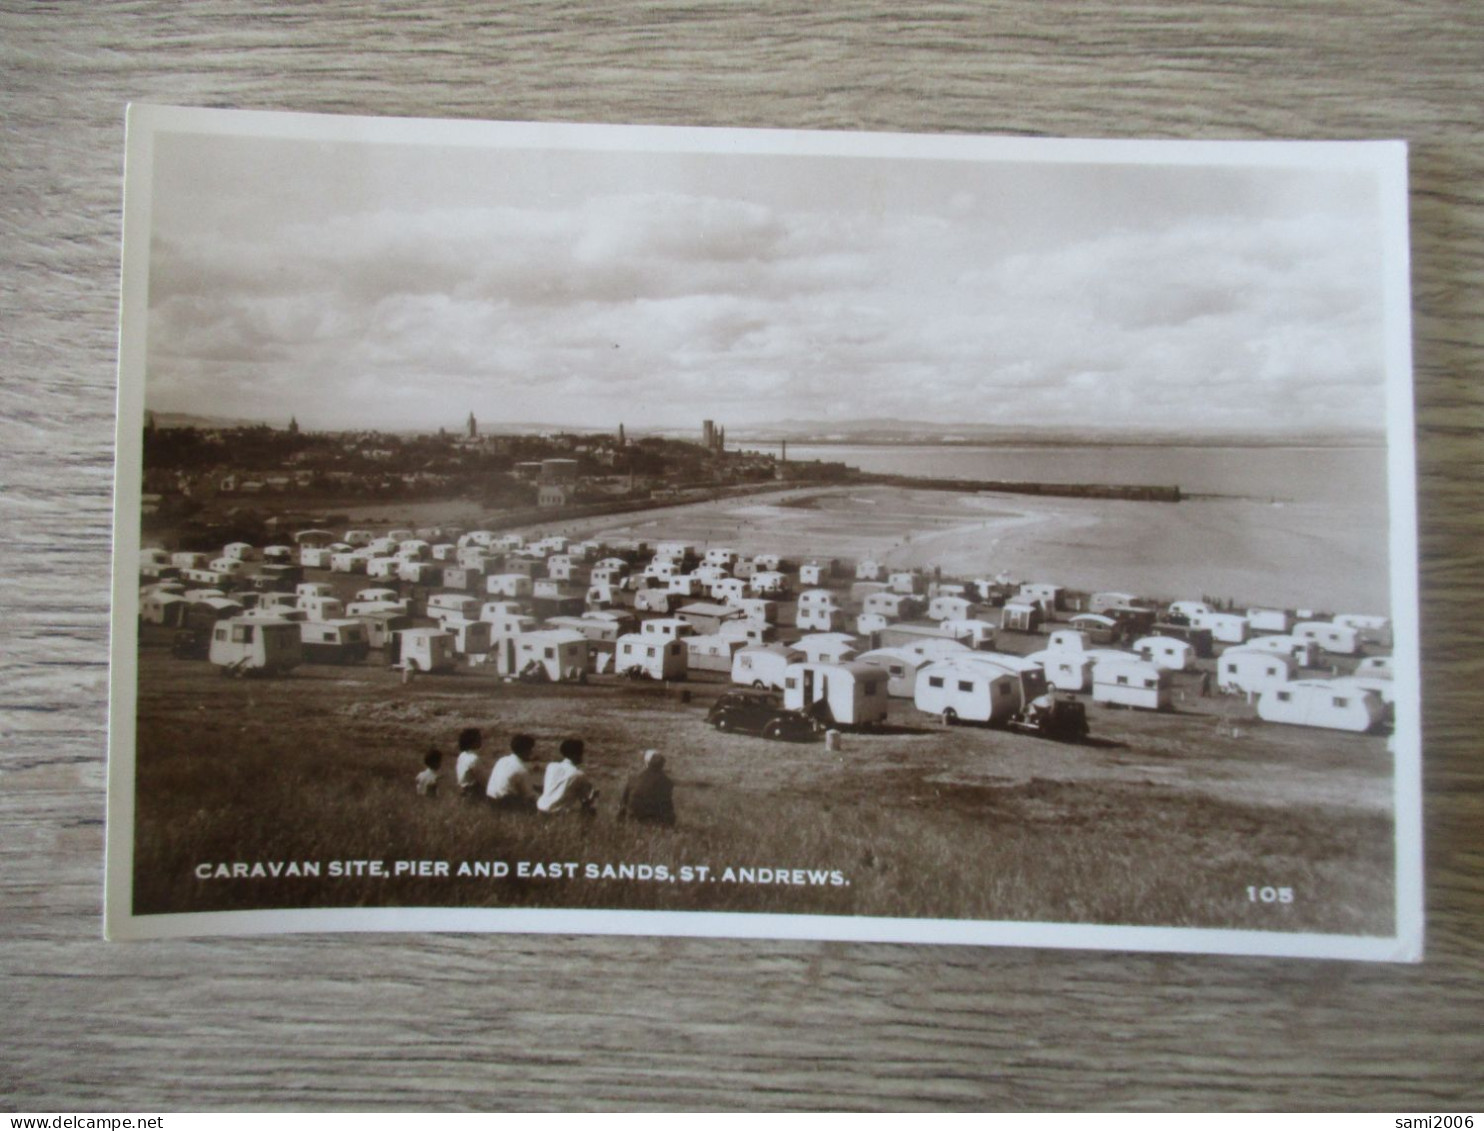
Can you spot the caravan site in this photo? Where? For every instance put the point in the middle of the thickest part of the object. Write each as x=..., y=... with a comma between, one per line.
x=924, y=755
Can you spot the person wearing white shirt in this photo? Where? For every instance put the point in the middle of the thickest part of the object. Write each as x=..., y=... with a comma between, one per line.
x=568, y=789
x=510, y=785
x=465, y=769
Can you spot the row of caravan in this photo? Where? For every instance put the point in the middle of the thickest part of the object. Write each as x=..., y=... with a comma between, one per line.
x=966, y=686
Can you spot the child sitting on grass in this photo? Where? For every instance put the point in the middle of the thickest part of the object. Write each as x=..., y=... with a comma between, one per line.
x=465, y=769
x=427, y=781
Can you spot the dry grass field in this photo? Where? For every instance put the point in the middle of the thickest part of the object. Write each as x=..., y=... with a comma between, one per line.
x=1157, y=820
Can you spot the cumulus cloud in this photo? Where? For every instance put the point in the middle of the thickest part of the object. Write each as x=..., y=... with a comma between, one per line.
x=658, y=306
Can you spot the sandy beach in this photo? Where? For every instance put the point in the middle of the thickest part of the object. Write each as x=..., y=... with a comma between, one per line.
x=1292, y=555
x=1295, y=555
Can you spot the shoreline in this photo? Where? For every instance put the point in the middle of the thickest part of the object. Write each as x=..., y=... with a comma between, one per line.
x=1247, y=549
x=1256, y=553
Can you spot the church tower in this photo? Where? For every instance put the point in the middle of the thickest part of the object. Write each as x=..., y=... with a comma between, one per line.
x=473, y=427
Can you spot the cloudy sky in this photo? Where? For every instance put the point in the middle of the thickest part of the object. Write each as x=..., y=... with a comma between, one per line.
x=360, y=284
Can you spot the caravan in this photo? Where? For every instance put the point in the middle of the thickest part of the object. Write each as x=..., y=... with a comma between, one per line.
x=470, y=637
x=901, y=668
x=849, y=694
x=1101, y=602
x=1319, y=703
x=760, y=609
x=652, y=601
x=822, y=618
x=1185, y=612
x=463, y=578
x=651, y=656
x=427, y=650
x=334, y=641
x=1067, y=640
x=706, y=618
x=827, y=647
x=1247, y=671
x=453, y=604
x=602, y=595
x=763, y=666
x=1226, y=628
x=667, y=628
x=1339, y=639
x=1098, y=629
x=1021, y=615
x=593, y=629
x=713, y=653
x=163, y=608
x=382, y=625
x=1044, y=593
x=906, y=582
x=1066, y=670
x=814, y=573
x=893, y=606
x=512, y=585
x=749, y=631
x=1371, y=629
x=730, y=590
x=686, y=585
x=322, y=608
x=554, y=654
x=1278, y=621
x=318, y=557
x=1305, y=653
x=269, y=647
x=819, y=609
x=1131, y=683
x=948, y=607
x=768, y=583
x=1166, y=652
x=977, y=634
x=979, y=687
x=420, y=572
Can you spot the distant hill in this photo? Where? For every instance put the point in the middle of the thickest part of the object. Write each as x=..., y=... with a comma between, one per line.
x=930, y=432
x=191, y=420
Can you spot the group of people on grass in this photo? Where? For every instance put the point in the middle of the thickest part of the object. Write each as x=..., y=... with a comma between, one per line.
x=648, y=794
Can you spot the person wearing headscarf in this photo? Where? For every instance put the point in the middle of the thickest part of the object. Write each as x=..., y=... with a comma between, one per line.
x=649, y=795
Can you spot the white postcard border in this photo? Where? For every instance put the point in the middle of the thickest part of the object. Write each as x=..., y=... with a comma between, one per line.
x=1387, y=159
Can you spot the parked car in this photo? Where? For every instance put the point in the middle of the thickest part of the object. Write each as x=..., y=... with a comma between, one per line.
x=748, y=712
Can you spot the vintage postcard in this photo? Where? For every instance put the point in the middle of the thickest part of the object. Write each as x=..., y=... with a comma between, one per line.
x=766, y=534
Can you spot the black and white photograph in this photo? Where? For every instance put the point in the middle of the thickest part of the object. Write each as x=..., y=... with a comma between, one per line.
x=744, y=533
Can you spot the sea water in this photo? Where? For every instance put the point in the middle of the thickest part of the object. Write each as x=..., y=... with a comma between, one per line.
x=1273, y=474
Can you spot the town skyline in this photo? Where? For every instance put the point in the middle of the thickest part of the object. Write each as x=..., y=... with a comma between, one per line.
x=861, y=432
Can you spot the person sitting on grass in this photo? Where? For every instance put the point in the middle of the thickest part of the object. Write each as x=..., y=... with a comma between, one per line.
x=648, y=796
x=427, y=781
x=568, y=789
x=510, y=785
x=466, y=768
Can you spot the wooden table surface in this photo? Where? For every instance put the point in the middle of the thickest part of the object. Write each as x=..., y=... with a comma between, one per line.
x=429, y=1021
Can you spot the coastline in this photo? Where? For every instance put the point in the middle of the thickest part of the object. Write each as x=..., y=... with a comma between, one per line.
x=1295, y=555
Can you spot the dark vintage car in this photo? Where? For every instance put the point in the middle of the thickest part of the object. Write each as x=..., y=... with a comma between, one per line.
x=750, y=712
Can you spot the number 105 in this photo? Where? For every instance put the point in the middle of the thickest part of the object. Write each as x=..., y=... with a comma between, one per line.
x=1269, y=895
